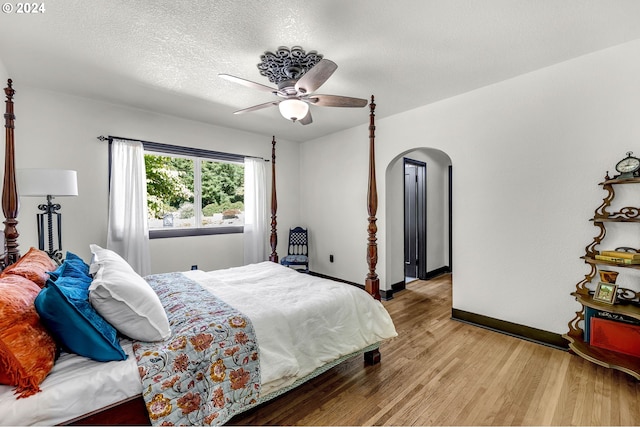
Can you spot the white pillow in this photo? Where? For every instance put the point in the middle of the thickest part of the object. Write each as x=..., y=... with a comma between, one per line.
x=125, y=299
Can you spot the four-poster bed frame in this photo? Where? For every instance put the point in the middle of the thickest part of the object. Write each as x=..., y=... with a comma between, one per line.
x=9, y=188
x=133, y=410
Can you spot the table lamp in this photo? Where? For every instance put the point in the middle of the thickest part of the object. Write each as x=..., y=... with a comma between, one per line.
x=48, y=183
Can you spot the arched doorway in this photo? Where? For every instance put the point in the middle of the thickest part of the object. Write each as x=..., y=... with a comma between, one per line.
x=437, y=252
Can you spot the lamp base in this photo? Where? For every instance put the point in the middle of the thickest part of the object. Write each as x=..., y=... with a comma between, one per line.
x=49, y=210
x=56, y=256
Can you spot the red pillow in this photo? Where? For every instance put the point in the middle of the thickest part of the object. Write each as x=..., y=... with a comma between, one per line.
x=27, y=351
x=33, y=265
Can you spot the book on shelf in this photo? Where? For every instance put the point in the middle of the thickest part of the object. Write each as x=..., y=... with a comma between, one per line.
x=618, y=260
x=588, y=314
x=621, y=254
x=591, y=313
x=615, y=336
x=616, y=317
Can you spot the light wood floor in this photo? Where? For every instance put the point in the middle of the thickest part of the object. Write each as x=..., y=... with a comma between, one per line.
x=442, y=372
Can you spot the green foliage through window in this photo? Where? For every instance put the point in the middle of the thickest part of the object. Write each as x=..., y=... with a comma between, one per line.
x=172, y=190
x=169, y=183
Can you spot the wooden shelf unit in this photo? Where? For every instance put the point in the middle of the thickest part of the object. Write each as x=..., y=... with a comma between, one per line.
x=626, y=309
x=594, y=261
x=607, y=358
x=575, y=336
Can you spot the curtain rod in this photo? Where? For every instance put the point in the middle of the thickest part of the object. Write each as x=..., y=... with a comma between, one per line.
x=177, y=149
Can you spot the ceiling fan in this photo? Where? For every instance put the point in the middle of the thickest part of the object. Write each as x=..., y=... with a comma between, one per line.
x=298, y=75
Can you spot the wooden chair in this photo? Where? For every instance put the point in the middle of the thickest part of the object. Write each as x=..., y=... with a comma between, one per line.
x=298, y=250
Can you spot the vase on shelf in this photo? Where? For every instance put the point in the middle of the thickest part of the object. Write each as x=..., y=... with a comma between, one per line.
x=608, y=276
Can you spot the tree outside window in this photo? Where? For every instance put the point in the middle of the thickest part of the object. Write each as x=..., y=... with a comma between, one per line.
x=177, y=184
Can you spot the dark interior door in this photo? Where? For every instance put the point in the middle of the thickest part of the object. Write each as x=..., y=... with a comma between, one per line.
x=410, y=221
x=415, y=219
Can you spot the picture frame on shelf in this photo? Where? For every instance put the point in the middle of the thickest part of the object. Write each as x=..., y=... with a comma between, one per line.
x=606, y=292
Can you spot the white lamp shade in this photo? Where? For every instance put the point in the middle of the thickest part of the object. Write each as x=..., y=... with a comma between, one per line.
x=293, y=109
x=47, y=182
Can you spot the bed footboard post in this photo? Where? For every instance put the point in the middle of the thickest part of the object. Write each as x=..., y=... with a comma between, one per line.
x=372, y=357
x=372, y=283
x=273, y=240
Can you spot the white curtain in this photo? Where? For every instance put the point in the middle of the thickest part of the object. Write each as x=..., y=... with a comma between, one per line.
x=128, y=231
x=255, y=211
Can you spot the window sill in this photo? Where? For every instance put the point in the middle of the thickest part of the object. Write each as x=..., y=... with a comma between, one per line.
x=185, y=232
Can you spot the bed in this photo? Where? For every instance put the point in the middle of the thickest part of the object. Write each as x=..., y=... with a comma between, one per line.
x=234, y=338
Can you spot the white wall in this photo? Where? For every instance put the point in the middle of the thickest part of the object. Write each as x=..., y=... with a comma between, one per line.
x=59, y=131
x=527, y=156
x=333, y=206
x=437, y=211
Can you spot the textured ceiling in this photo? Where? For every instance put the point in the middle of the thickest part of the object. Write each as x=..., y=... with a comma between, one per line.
x=165, y=56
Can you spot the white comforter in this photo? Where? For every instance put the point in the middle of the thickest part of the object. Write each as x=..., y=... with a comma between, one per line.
x=301, y=323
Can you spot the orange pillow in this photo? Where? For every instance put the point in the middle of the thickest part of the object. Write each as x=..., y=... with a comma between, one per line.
x=27, y=351
x=33, y=265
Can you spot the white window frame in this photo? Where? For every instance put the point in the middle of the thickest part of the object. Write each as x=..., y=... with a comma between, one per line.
x=198, y=156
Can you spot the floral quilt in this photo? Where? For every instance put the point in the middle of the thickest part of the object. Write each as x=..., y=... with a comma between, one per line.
x=209, y=369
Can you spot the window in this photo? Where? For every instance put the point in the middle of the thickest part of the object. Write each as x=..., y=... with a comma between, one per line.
x=193, y=192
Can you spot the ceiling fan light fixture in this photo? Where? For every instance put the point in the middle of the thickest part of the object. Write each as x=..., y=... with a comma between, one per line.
x=293, y=109
x=298, y=74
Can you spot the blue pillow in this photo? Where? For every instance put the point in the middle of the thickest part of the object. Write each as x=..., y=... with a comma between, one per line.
x=77, y=261
x=72, y=260
x=68, y=269
x=65, y=310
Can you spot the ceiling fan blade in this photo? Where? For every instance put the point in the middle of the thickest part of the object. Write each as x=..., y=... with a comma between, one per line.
x=337, y=101
x=316, y=76
x=256, y=107
x=306, y=120
x=249, y=83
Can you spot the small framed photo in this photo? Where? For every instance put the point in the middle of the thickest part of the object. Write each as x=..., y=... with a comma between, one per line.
x=606, y=292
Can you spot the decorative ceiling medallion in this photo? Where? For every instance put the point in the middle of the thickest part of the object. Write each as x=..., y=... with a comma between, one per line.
x=287, y=64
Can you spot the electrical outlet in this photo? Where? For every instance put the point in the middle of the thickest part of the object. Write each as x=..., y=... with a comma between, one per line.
x=330, y=258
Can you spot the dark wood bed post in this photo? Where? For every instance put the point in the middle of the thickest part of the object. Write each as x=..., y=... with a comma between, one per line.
x=372, y=282
x=273, y=240
x=9, y=188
